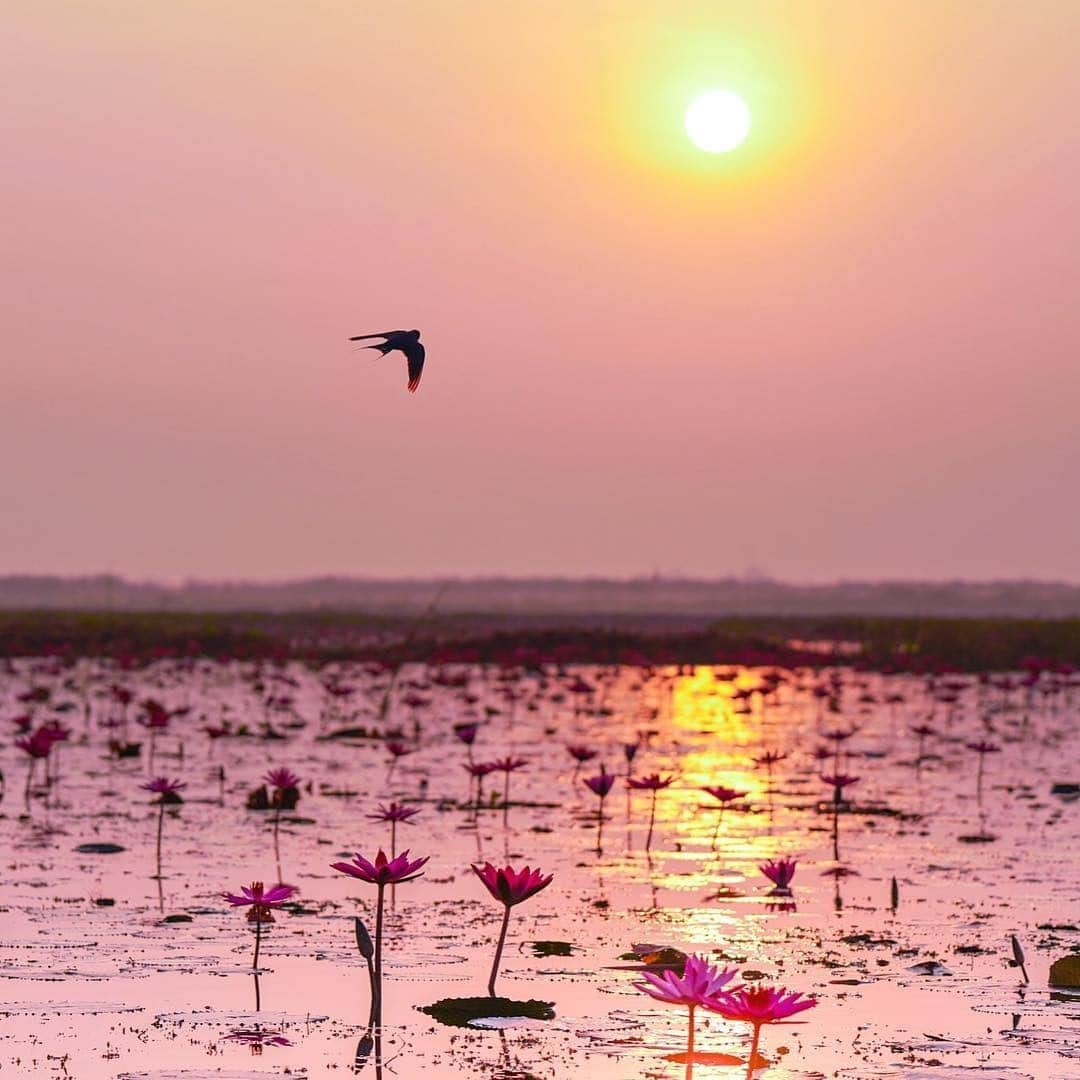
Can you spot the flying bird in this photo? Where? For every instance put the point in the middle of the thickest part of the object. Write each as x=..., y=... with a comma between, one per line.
x=405, y=341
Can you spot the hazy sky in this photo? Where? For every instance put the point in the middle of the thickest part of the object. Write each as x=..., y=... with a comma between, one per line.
x=849, y=348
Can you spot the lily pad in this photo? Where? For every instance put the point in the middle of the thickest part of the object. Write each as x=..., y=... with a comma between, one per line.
x=1065, y=972
x=99, y=849
x=552, y=948
x=464, y=1012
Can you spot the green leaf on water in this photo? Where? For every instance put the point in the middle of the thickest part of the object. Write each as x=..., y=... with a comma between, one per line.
x=460, y=1012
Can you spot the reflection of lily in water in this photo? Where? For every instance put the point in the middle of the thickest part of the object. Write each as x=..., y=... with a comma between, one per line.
x=369, y=1042
x=256, y=1038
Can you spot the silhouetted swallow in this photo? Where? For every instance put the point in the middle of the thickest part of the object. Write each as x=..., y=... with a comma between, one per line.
x=405, y=341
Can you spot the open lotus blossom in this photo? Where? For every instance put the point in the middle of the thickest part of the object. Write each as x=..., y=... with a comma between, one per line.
x=839, y=782
x=758, y=1005
x=282, y=779
x=261, y=901
x=653, y=783
x=510, y=887
x=982, y=748
x=394, y=813
x=600, y=785
x=477, y=771
x=507, y=765
x=779, y=872
x=723, y=795
x=699, y=984
x=381, y=872
x=581, y=754
x=769, y=758
x=163, y=786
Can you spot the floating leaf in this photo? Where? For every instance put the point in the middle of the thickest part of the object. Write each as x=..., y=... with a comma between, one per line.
x=461, y=1012
x=1065, y=972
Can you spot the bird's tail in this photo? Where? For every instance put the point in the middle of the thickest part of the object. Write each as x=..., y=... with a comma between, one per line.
x=414, y=384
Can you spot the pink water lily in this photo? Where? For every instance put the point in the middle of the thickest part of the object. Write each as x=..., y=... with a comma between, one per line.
x=779, y=872
x=261, y=901
x=394, y=813
x=510, y=887
x=382, y=871
x=699, y=984
x=282, y=779
x=261, y=897
x=758, y=1005
x=168, y=792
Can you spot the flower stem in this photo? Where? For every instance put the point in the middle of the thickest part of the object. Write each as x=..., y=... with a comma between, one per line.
x=29, y=782
x=753, y=1052
x=376, y=1009
x=690, y=1034
x=277, y=823
x=498, y=951
x=258, y=941
x=160, y=825
x=652, y=822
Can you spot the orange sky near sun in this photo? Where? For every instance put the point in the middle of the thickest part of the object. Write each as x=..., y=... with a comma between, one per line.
x=846, y=349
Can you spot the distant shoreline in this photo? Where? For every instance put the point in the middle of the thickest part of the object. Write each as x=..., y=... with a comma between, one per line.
x=657, y=597
x=926, y=646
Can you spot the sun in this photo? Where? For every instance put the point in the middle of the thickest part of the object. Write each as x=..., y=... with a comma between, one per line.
x=717, y=121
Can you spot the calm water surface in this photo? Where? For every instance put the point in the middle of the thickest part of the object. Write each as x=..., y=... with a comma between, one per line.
x=94, y=982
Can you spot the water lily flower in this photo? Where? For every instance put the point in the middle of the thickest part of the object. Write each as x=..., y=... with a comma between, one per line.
x=509, y=887
x=507, y=765
x=261, y=901
x=758, y=1005
x=653, y=783
x=779, y=872
x=580, y=754
x=281, y=779
x=982, y=748
x=699, y=984
x=600, y=785
x=723, y=795
x=394, y=813
x=838, y=783
x=381, y=872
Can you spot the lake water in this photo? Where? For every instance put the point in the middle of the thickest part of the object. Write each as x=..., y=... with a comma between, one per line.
x=94, y=982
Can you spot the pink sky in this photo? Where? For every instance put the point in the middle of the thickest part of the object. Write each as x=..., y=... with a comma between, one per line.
x=847, y=349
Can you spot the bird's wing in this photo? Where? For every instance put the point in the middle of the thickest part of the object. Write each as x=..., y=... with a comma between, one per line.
x=368, y=337
x=414, y=353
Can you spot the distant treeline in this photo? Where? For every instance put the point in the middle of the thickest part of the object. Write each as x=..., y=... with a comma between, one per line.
x=652, y=597
x=886, y=644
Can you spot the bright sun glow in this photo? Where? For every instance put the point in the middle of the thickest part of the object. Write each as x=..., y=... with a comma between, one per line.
x=717, y=121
